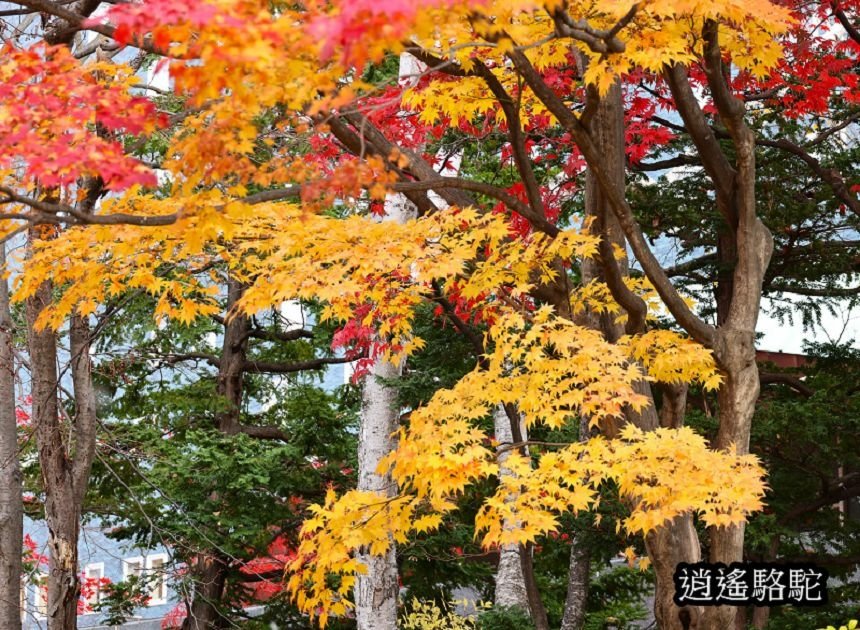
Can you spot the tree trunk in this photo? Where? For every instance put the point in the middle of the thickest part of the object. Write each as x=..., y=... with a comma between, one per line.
x=65, y=463
x=677, y=541
x=510, y=583
x=61, y=510
x=734, y=341
x=760, y=617
x=11, y=507
x=376, y=590
x=209, y=571
x=209, y=576
x=577, y=584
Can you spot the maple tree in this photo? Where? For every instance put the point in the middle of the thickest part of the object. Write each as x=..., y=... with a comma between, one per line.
x=282, y=151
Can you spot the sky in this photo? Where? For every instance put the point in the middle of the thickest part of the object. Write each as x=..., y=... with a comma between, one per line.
x=842, y=327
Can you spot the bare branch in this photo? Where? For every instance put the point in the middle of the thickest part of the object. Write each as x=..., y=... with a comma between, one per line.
x=260, y=432
x=268, y=367
x=772, y=378
x=814, y=291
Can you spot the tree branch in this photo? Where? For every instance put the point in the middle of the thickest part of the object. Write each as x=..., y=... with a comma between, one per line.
x=471, y=336
x=659, y=165
x=688, y=266
x=74, y=22
x=830, y=176
x=599, y=41
x=260, y=367
x=841, y=492
x=260, y=432
x=696, y=125
x=268, y=367
x=839, y=14
x=513, y=203
x=777, y=378
x=695, y=326
x=814, y=291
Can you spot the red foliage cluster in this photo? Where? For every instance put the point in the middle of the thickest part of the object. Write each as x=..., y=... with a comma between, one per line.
x=58, y=115
x=133, y=18
x=89, y=587
x=31, y=557
x=22, y=416
x=820, y=62
x=267, y=571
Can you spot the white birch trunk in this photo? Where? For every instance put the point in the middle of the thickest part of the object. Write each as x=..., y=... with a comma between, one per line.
x=510, y=584
x=376, y=590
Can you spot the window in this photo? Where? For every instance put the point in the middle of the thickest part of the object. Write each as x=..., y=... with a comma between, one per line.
x=92, y=586
x=152, y=570
x=156, y=568
x=132, y=567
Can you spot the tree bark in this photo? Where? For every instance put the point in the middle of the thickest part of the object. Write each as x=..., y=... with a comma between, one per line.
x=579, y=568
x=579, y=573
x=376, y=590
x=734, y=341
x=677, y=541
x=11, y=506
x=209, y=576
x=65, y=463
x=510, y=583
x=62, y=512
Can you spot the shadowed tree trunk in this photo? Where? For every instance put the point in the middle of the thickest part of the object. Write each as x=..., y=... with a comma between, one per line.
x=11, y=507
x=579, y=570
x=65, y=463
x=209, y=572
x=677, y=541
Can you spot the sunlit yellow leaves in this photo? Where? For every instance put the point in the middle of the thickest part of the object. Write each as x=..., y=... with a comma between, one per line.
x=658, y=33
x=284, y=252
x=660, y=474
x=671, y=358
x=553, y=369
x=462, y=100
x=669, y=472
x=323, y=572
x=550, y=368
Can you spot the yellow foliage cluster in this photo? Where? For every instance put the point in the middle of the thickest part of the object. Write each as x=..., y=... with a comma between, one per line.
x=283, y=252
x=669, y=358
x=428, y=615
x=553, y=371
x=663, y=474
x=660, y=32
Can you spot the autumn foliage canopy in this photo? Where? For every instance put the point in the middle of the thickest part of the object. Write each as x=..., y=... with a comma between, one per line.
x=273, y=161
